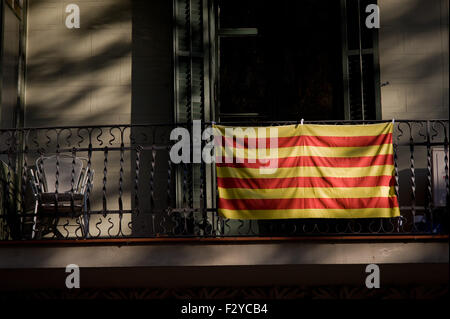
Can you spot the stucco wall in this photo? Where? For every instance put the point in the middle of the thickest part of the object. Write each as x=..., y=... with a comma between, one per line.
x=78, y=76
x=116, y=68
x=413, y=47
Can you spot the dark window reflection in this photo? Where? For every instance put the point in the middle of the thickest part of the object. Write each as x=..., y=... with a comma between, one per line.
x=291, y=69
x=353, y=22
x=366, y=33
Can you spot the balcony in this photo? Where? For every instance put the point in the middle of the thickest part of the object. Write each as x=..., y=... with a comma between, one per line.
x=135, y=192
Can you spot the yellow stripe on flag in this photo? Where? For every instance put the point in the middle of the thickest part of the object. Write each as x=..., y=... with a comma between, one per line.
x=310, y=213
x=309, y=171
x=307, y=192
x=283, y=152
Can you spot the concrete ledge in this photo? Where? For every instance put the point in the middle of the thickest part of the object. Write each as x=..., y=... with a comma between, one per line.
x=249, y=254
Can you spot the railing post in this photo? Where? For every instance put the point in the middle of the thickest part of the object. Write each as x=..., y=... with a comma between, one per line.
x=72, y=181
x=446, y=176
x=396, y=179
x=88, y=189
x=169, y=180
x=413, y=177
x=447, y=187
x=428, y=195
x=105, y=173
x=24, y=146
x=203, y=190
x=136, y=179
x=56, y=182
x=152, y=176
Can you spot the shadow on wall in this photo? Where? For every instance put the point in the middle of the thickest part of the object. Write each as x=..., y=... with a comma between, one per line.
x=414, y=58
x=117, y=68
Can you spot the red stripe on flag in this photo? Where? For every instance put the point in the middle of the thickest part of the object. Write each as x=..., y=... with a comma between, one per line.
x=306, y=203
x=299, y=161
x=266, y=183
x=306, y=140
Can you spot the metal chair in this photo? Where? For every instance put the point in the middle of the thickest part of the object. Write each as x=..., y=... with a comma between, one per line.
x=61, y=185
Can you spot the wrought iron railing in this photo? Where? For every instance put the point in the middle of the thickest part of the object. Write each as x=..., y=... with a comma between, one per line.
x=137, y=191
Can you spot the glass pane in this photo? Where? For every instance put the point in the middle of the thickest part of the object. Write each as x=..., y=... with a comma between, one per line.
x=362, y=90
x=366, y=34
x=291, y=70
x=243, y=79
x=354, y=83
x=352, y=24
x=239, y=13
x=369, y=87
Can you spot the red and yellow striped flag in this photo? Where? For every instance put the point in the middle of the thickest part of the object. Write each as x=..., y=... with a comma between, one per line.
x=306, y=171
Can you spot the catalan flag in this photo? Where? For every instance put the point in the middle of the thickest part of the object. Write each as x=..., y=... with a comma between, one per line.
x=305, y=171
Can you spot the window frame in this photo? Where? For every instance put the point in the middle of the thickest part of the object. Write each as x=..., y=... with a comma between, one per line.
x=216, y=33
x=346, y=53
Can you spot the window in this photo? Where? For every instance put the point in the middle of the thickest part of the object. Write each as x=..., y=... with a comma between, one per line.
x=294, y=59
x=360, y=63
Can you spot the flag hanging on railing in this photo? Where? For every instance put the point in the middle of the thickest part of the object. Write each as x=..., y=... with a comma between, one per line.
x=305, y=171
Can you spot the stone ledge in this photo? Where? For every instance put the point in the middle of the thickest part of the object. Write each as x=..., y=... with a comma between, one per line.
x=245, y=254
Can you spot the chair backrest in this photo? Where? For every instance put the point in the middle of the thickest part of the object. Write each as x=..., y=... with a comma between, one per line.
x=47, y=169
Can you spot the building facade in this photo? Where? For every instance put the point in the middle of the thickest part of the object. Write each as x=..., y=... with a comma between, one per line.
x=111, y=90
